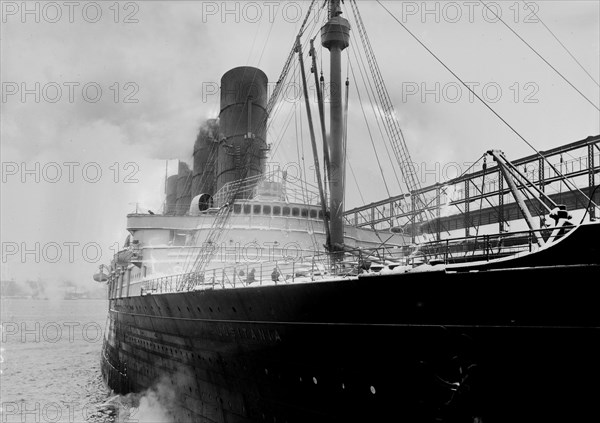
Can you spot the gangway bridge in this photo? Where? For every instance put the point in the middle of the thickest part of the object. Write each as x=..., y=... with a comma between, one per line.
x=482, y=197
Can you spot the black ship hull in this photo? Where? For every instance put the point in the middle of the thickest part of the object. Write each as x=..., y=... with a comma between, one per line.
x=499, y=345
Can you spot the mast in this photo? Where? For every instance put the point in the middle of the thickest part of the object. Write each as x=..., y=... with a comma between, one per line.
x=335, y=36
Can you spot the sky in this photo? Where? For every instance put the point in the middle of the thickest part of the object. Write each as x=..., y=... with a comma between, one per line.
x=99, y=99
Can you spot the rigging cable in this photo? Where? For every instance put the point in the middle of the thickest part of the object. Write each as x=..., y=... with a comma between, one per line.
x=279, y=138
x=283, y=131
x=559, y=42
x=283, y=82
x=370, y=135
x=539, y=55
x=563, y=179
x=390, y=117
x=399, y=145
x=467, y=187
x=376, y=111
x=589, y=206
x=253, y=42
x=273, y=101
x=356, y=182
x=266, y=42
x=428, y=204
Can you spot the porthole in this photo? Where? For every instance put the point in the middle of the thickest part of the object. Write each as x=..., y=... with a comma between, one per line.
x=373, y=390
x=315, y=380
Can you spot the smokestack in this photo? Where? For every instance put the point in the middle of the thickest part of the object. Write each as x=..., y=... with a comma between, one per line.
x=205, y=159
x=242, y=122
x=184, y=189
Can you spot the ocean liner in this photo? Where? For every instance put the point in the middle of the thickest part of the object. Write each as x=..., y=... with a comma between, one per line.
x=255, y=297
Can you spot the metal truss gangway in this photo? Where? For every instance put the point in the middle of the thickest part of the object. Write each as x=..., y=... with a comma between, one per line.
x=482, y=197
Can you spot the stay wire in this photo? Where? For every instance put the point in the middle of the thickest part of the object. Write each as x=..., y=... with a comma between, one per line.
x=370, y=134
x=266, y=42
x=563, y=180
x=377, y=111
x=539, y=55
x=559, y=42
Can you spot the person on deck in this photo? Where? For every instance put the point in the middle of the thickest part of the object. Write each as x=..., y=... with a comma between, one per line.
x=275, y=275
x=251, y=278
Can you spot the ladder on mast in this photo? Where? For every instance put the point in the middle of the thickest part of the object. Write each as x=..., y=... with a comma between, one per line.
x=392, y=124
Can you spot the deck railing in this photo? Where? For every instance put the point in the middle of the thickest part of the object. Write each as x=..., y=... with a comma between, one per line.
x=484, y=247
x=352, y=262
x=243, y=275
